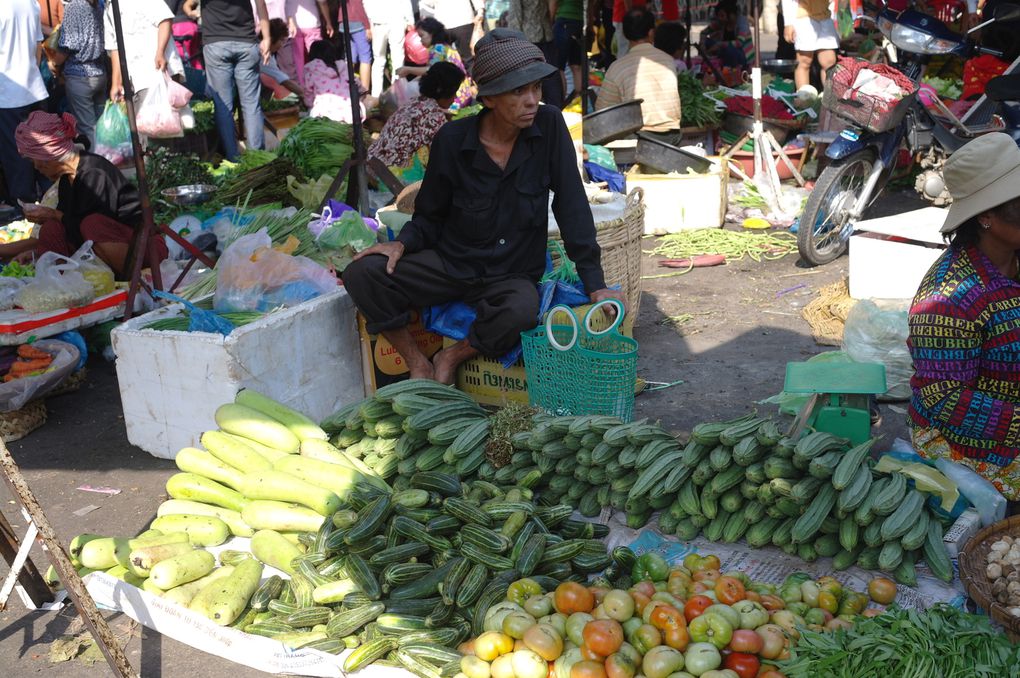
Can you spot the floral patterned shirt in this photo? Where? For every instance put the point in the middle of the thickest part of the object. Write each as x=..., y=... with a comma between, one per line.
x=468, y=90
x=411, y=127
x=327, y=93
x=81, y=35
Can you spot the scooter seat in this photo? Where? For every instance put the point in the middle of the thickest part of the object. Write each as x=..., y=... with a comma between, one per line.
x=1004, y=88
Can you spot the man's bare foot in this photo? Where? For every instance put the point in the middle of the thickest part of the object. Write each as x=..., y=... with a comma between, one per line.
x=445, y=364
x=424, y=371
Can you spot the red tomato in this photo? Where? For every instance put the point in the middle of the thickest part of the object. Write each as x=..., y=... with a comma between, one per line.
x=588, y=669
x=645, y=587
x=729, y=590
x=620, y=665
x=588, y=653
x=666, y=617
x=752, y=595
x=696, y=605
x=772, y=603
x=571, y=597
x=604, y=637
x=771, y=673
x=745, y=665
x=640, y=600
x=704, y=574
x=746, y=641
x=677, y=638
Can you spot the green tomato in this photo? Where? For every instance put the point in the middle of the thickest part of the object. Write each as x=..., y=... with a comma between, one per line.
x=809, y=593
x=575, y=626
x=561, y=667
x=473, y=667
x=516, y=623
x=630, y=626
x=628, y=650
x=815, y=616
x=522, y=589
x=701, y=657
x=558, y=621
x=497, y=613
x=720, y=673
x=711, y=628
x=669, y=599
x=752, y=614
x=799, y=608
x=646, y=637
x=618, y=605
x=661, y=661
x=651, y=566
x=726, y=612
x=538, y=606
x=710, y=593
x=680, y=674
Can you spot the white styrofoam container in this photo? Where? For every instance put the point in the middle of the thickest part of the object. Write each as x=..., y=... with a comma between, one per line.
x=682, y=202
x=307, y=357
x=889, y=256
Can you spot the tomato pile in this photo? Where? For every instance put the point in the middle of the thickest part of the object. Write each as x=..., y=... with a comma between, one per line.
x=674, y=622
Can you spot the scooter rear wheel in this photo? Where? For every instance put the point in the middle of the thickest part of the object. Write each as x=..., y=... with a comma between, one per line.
x=823, y=233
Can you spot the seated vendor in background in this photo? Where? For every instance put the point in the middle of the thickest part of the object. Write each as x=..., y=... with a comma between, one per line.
x=965, y=321
x=480, y=225
x=408, y=133
x=95, y=201
x=728, y=36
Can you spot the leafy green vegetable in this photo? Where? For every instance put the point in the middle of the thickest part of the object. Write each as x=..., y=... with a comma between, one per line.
x=948, y=88
x=941, y=641
x=260, y=185
x=695, y=109
x=205, y=120
x=13, y=269
x=318, y=146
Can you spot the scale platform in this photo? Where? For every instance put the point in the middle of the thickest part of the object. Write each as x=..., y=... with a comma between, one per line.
x=840, y=397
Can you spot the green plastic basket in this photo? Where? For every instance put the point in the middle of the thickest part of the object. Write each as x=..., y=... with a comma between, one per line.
x=573, y=369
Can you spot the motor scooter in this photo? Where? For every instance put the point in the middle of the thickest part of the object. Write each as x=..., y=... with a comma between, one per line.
x=863, y=160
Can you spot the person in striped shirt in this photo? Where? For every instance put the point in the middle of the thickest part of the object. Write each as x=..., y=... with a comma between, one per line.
x=965, y=321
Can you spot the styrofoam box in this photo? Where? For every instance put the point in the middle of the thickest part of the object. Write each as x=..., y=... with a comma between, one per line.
x=307, y=357
x=889, y=256
x=681, y=202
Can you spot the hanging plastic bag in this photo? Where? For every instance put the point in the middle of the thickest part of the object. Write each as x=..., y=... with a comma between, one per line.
x=58, y=284
x=252, y=276
x=113, y=134
x=177, y=94
x=415, y=52
x=156, y=116
x=94, y=269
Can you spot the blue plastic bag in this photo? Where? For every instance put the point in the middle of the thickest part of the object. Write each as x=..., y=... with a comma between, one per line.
x=199, y=320
x=599, y=174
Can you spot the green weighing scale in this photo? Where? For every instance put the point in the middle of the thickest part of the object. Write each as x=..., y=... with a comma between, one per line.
x=840, y=394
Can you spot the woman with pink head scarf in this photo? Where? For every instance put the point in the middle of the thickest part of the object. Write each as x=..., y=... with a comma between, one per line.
x=94, y=200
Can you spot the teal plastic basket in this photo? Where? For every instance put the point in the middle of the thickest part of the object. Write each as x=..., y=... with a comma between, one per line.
x=573, y=369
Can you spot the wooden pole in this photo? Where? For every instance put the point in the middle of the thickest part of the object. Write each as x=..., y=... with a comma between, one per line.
x=29, y=577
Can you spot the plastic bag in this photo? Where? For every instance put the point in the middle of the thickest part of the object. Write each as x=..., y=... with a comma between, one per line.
x=599, y=174
x=9, y=290
x=944, y=494
x=94, y=269
x=15, y=394
x=415, y=52
x=177, y=94
x=57, y=284
x=156, y=116
x=252, y=276
x=350, y=230
x=878, y=334
x=113, y=135
x=602, y=156
x=199, y=320
x=990, y=504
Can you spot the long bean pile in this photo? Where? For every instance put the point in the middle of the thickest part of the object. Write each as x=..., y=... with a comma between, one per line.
x=263, y=184
x=734, y=245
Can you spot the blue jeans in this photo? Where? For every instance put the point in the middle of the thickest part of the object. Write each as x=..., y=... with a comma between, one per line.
x=227, y=64
x=87, y=97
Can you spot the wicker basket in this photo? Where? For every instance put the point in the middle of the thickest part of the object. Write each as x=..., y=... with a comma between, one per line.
x=19, y=423
x=972, y=561
x=71, y=384
x=620, y=240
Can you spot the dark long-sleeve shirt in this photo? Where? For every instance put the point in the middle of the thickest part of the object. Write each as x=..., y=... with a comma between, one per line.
x=488, y=223
x=98, y=188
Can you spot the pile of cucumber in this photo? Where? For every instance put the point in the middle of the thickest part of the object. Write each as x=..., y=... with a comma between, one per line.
x=400, y=574
x=816, y=496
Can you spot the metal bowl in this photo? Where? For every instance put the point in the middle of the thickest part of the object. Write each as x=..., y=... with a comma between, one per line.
x=779, y=66
x=615, y=122
x=664, y=158
x=186, y=196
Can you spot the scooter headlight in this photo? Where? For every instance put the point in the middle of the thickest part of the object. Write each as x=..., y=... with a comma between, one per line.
x=918, y=42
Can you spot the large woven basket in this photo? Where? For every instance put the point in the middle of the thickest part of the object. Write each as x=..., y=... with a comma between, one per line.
x=972, y=561
x=19, y=423
x=620, y=240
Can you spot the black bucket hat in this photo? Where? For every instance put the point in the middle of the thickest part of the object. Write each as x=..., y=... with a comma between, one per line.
x=505, y=60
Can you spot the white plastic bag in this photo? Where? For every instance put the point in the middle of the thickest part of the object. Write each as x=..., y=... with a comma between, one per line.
x=990, y=504
x=94, y=269
x=878, y=334
x=57, y=284
x=16, y=393
x=156, y=116
x=252, y=276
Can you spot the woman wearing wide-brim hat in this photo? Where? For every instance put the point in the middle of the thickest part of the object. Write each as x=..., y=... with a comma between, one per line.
x=965, y=321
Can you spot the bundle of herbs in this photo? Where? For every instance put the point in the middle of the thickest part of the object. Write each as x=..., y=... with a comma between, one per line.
x=261, y=184
x=696, y=109
x=318, y=146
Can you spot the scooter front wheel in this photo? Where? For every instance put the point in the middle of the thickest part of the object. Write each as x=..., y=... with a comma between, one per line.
x=823, y=234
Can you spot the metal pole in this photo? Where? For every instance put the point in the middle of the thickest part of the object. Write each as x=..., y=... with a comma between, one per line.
x=148, y=222
x=94, y=621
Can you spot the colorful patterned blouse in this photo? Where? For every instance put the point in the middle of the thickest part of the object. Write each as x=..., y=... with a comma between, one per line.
x=411, y=127
x=466, y=94
x=81, y=35
x=965, y=343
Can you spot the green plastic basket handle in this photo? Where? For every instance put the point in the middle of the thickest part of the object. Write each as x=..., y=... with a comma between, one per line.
x=578, y=326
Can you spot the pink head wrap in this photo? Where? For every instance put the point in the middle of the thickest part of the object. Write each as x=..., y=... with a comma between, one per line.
x=45, y=136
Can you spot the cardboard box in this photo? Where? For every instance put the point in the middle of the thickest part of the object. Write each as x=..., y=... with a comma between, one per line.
x=381, y=364
x=171, y=383
x=889, y=256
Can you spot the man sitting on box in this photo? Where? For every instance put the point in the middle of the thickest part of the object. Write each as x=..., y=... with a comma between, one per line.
x=480, y=226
